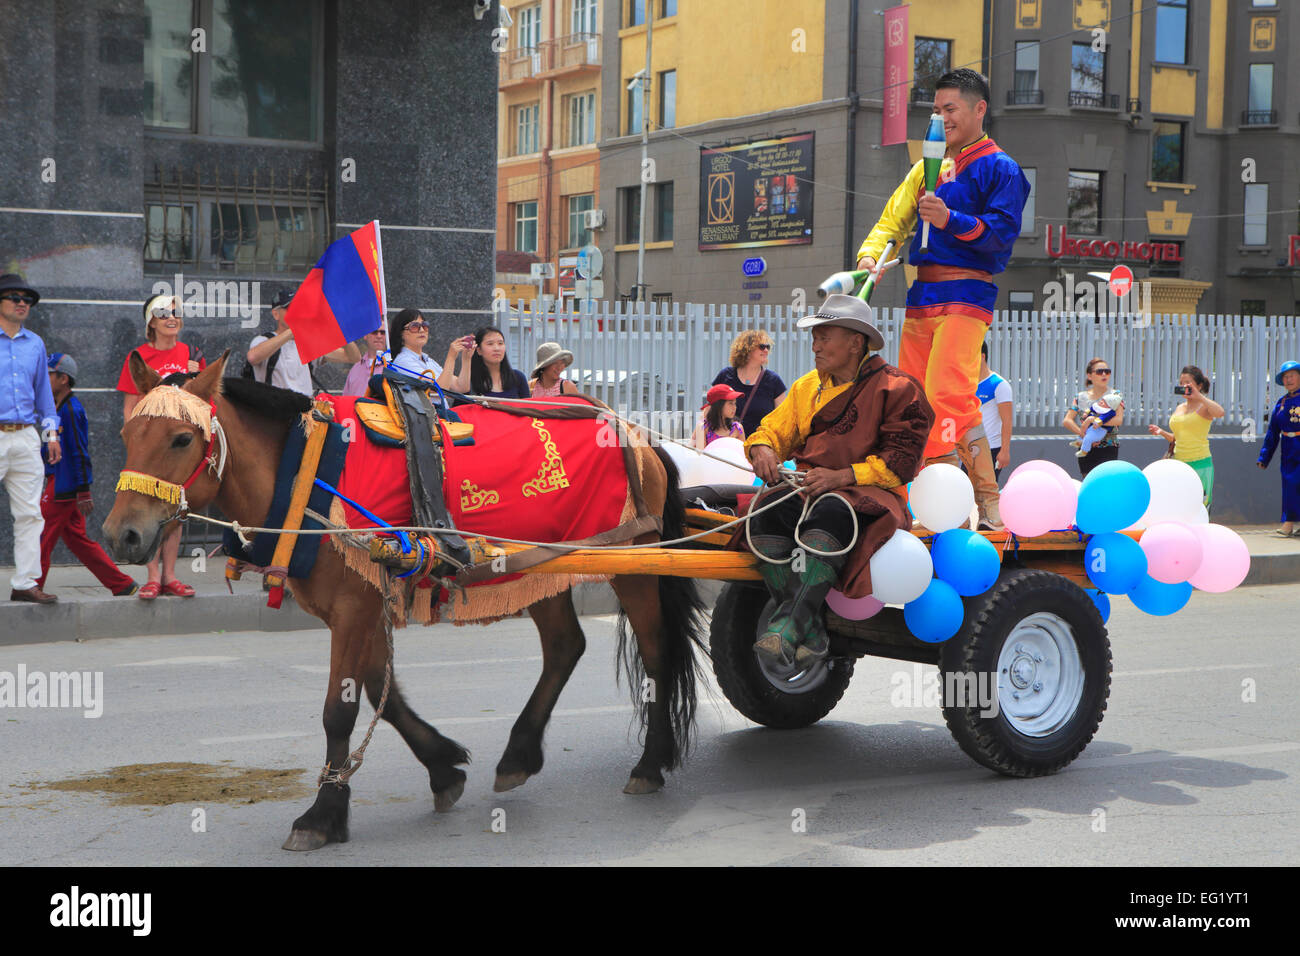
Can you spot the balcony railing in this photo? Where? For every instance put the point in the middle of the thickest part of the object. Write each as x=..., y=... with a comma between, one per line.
x=1259, y=117
x=1024, y=97
x=577, y=51
x=1100, y=101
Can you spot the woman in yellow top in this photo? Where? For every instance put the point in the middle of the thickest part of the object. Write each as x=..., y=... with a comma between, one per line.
x=1190, y=426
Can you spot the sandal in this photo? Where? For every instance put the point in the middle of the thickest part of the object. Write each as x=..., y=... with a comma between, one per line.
x=1285, y=531
x=149, y=591
x=178, y=589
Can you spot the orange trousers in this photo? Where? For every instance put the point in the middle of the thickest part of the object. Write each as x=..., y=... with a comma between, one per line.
x=943, y=352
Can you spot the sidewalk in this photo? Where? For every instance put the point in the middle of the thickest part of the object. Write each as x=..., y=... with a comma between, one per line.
x=86, y=611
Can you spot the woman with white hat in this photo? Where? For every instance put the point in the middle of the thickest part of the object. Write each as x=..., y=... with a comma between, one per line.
x=552, y=360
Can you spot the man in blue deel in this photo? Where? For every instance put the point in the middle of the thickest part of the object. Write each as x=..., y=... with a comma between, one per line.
x=1284, y=431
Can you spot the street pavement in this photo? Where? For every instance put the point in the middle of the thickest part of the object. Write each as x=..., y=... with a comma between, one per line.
x=1186, y=768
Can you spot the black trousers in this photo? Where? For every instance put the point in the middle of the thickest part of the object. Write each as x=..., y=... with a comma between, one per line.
x=1095, y=457
x=828, y=515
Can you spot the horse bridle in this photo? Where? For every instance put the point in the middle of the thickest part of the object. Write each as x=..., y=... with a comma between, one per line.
x=214, y=458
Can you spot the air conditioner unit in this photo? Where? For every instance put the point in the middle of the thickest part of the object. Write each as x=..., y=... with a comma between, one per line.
x=593, y=218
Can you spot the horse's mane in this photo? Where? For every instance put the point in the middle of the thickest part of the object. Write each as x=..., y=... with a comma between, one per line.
x=276, y=404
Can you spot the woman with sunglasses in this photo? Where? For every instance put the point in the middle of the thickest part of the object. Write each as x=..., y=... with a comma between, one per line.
x=408, y=334
x=1080, y=417
x=762, y=390
x=166, y=354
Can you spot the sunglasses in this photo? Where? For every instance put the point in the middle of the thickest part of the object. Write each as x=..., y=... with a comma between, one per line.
x=1101, y=371
x=19, y=297
x=767, y=347
x=165, y=314
x=417, y=326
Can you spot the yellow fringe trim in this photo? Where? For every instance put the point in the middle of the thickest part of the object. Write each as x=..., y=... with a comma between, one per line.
x=171, y=401
x=149, y=485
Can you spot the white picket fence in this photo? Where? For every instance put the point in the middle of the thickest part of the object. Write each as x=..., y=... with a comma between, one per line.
x=654, y=363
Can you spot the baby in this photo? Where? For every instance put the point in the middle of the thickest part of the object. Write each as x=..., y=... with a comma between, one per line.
x=1098, y=414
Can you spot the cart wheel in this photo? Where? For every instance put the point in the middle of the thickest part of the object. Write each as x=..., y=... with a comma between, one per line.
x=784, y=698
x=1039, y=640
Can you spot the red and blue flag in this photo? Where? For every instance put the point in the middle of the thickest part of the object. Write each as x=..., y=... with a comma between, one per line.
x=342, y=298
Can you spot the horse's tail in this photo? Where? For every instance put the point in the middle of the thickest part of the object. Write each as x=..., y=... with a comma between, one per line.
x=683, y=628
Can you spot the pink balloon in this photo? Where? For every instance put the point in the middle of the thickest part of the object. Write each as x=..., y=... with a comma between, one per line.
x=853, y=609
x=1173, y=551
x=1226, y=559
x=1032, y=504
x=1065, y=517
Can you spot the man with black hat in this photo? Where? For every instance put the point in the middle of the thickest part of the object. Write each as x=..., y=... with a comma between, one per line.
x=66, y=502
x=274, y=358
x=856, y=428
x=27, y=413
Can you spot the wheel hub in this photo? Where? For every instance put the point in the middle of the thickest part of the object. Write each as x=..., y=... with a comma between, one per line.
x=1040, y=675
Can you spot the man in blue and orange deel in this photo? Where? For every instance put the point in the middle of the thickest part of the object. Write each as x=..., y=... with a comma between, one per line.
x=974, y=215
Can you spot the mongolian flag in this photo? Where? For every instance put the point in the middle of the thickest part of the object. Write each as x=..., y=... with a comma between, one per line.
x=342, y=297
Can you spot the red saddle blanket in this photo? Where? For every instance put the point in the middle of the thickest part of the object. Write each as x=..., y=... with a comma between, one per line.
x=538, y=479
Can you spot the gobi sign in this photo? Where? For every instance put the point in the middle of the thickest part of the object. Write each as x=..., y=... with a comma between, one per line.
x=754, y=267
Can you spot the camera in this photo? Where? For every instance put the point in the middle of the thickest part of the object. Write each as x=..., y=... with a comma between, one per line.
x=1182, y=389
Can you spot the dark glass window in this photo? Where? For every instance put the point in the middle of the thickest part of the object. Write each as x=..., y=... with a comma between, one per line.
x=629, y=207
x=1026, y=67
x=168, y=65
x=1167, y=153
x=931, y=59
x=1253, y=307
x=1171, y=31
x=635, y=12
x=1087, y=75
x=1084, y=202
x=663, y=212
x=633, y=111
x=668, y=99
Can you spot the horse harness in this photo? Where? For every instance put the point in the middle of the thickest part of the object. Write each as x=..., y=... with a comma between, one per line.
x=214, y=459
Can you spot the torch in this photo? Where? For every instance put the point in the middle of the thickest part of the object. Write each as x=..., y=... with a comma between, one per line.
x=932, y=151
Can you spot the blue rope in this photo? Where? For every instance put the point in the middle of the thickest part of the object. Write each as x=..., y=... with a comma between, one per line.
x=400, y=535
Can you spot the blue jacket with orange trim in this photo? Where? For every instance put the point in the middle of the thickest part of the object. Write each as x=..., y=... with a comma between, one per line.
x=985, y=193
x=72, y=475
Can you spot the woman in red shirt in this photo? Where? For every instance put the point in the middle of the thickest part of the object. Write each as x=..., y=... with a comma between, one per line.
x=166, y=354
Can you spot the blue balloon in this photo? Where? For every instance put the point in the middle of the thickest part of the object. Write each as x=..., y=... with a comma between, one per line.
x=1156, y=597
x=966, y=560
x=1103, y=603
x=1115, y=563
x=936, y=615
x=1114, y=495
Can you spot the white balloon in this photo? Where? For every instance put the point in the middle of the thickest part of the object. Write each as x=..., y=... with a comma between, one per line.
x=941, y=497
x=687, y=461
x=901, y=570
x=1175, y=492
x=714, y=472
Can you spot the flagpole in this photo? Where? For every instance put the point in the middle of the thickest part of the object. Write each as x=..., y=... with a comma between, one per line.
x=383, y=290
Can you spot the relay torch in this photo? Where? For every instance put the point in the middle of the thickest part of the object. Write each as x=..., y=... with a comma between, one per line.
x=932, y=150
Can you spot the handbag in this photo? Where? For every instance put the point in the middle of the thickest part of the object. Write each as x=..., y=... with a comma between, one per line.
x=753, y=391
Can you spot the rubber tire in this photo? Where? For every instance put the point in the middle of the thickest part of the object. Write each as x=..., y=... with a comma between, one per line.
x=990, y=618
x=732, y=635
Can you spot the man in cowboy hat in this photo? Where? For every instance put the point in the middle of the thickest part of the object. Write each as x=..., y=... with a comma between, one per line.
x=27, y=416
x=856, y=428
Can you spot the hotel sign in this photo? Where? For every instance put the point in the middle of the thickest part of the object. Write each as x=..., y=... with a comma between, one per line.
x=757, y=194
x=1111, y=248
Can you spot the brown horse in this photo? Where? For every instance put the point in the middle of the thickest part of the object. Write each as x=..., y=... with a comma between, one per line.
x=255, y=419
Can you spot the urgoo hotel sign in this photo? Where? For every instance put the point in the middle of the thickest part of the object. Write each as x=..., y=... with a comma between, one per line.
x=1112, y=249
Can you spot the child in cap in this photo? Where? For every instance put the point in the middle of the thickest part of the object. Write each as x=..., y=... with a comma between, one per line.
x=719, y=420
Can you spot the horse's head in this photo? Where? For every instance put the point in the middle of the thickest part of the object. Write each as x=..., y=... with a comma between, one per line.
x=173, y=447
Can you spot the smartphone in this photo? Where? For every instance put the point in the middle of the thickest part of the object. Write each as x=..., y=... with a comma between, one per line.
x=1182, y=390
x=468, y=341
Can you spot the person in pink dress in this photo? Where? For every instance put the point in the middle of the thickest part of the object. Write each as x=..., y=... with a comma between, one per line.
x=552, y=360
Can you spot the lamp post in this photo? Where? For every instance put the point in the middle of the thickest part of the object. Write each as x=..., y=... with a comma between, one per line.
x=645, y=147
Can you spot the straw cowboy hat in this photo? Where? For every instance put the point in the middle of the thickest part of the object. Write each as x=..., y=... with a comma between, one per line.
x=548, y=353
x=848, y=312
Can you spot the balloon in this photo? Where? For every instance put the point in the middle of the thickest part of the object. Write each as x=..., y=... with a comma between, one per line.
x=1044, y=466
x=853, y=609
x=1103, y=603
x=1175, y=492
x=1173, y=551
x=1160, y=599
x=687, y=461
x=936, y=615
x=966, y=560
x=901, y=569
x=1225, y=562
x=787, y=465
x=1115, y=563
x=942, y=497
x=1113, y=496
x=714, y=472
x=1032, y=504
x=1069, y=485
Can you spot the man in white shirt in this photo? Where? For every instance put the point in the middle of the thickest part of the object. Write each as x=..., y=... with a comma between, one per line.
x=289, y=370
x=994, y=394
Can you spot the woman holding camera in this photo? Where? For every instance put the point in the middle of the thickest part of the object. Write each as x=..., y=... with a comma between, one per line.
x=1189, y=426
x=1097, y=378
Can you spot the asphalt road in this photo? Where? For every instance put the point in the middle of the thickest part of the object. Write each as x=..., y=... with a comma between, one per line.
x=1183, y=770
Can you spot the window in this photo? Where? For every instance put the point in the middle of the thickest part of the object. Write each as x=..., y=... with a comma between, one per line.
x=1026, y=89
x=260, y=79
x=579, y=234
x=582, y=16
x=1171, y=31
x=663, y=212
x=668, y=99
x=1020, y=301
x=1084, y=202
x=634, y=110
x=1255, y=220
x=635, y=13
x=1087, y=76
x=526, y=226
x=526, y=129
x=530, y=27
x=1167, y=153
x=668, y=8
x=629, y=207
x=1027, y=219
x=931, y=59
x=582, y=119
x=1259, y=103
x=1253, y=307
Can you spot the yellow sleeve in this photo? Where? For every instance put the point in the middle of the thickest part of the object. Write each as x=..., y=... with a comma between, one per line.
x=873, y=472
x=898, y=217
x=784, y=428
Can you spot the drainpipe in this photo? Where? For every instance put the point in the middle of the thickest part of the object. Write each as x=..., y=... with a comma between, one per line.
x=851, y=150
x=548, y=86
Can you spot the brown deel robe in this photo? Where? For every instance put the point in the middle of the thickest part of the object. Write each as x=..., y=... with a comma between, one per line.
x=885, y=414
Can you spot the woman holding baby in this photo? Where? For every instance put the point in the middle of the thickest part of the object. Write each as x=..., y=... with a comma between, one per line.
x=1095, y=417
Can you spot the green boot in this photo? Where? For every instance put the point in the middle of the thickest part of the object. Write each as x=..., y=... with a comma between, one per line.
x=797, y=624
x=778, y=579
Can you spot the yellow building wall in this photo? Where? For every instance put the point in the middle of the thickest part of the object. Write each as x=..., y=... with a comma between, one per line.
x=961, y=21
x=1173, y=90
x=731, y=59
x=1215, y=78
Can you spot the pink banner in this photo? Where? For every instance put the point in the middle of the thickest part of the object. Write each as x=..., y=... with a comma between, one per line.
x=897, y=78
